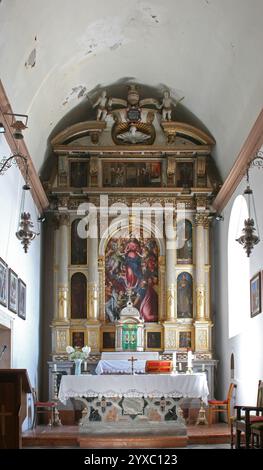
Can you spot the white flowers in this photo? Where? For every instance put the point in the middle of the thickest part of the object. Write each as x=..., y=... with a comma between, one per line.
x=77, y=353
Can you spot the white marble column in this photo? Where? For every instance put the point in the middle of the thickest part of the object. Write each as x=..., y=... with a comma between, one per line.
x=93, y=277
x=200, y=266
x=63, y=261
x=170, y=279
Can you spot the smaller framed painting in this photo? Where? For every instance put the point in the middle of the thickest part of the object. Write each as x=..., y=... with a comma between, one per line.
x=78, y=340
x=3, y=282
x=21, y=299
x=153, y=340
x=255, y=295
x=185, y=339
x=13, y=291
x=108, y=340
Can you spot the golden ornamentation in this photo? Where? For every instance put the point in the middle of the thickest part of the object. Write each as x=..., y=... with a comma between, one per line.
x=61, y=340
x=93, y=295
x=93, y=339
x=63, y=219
x=202, y=339
x=200, y=302
x=62, y=303
x=93, y=167
x=201, y=219
x=170, y=339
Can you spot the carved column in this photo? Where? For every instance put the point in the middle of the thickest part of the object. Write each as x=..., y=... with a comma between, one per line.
x=63, y=261
x=200, y=266
x=207, y=269
x=170, y=280
x=93, y=278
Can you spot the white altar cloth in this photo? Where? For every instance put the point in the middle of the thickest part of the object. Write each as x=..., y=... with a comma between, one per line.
x=150, y=385
x=122, y=355
x=120, y=367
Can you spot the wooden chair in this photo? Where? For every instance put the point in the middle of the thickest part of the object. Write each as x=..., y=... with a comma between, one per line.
x=243, y=419
x=257, y=434
x=221, y=406
x=41, y=407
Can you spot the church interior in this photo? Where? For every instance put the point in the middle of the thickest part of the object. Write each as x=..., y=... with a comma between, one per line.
x=131, y=283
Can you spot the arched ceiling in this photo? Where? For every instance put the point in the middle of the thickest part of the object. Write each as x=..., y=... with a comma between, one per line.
x=56, y=54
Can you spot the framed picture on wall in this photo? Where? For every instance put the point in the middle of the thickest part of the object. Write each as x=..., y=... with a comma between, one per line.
x=255, y=295
x=78, y=339
x=185, y=339
x=13, y=291
x=108, y=340
x=3, y=282
x=154, y=340
x=21, y=299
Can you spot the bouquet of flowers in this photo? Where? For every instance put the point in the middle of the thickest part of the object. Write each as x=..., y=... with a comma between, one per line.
x=76, y=353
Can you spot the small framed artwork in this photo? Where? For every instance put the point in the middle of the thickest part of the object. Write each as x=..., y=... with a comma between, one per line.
x=154, y=340
x=21, y=299
x=185, y=339
x=255, y=295
x=3, y=282
x=13, y=291
x=108, y=340
x=78, y=339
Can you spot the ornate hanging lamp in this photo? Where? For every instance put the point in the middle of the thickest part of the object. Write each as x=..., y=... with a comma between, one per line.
x=250, y=232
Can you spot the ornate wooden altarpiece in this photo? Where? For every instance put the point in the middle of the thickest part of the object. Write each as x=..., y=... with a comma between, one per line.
x=132, y=152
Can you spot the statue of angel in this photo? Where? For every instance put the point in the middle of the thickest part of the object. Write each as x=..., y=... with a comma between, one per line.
x=103, y=104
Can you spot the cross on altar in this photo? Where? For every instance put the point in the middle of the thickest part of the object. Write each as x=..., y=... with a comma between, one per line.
x=132, y=359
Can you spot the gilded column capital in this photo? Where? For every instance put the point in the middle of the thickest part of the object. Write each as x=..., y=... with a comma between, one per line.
x=201, y=219
x=63, y=219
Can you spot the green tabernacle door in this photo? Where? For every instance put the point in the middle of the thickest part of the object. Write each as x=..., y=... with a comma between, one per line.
x=129, y=337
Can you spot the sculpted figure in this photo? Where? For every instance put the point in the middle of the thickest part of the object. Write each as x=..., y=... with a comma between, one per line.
x=166, y=106
x=103, y=103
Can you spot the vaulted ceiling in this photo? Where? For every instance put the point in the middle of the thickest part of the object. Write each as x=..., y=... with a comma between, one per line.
x=56, y=54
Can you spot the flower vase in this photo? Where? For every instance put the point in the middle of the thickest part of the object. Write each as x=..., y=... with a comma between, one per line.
x=78, y=366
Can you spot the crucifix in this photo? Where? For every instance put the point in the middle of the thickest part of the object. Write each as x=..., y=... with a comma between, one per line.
x=132, y=359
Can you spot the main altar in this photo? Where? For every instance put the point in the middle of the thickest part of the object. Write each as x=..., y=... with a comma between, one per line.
x=130, y=194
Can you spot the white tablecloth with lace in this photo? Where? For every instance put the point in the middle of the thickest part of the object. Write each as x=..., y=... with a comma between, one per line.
x=148, y=385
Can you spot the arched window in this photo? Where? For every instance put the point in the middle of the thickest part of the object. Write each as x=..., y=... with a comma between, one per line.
x=78, y=245
x=184, y=295
x=78, y=296
x=238, y=271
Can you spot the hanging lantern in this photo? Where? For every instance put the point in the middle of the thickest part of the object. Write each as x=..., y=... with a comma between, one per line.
x=250, y=233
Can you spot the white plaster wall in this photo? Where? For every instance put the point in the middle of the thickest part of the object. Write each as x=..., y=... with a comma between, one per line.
x=26, y=334
x=247, y=346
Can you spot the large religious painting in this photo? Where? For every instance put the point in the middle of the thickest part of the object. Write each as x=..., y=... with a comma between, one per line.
x=132, y=174
x=78, y=296
x=131, y=269
x=184, y=295
x=79, y=174
x=185, y=175
x=78, y=246
x=185, y=252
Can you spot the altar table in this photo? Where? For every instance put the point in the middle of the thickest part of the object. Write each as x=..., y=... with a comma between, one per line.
x=120, y=367
x=134, y=386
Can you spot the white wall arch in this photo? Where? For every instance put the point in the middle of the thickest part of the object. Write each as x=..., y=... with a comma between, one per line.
x=238, y=271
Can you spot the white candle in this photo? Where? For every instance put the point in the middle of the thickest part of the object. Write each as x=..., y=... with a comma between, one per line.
x=55, y=368
x=189, y=359
x=85, y=366
x=174, y=360
x=203, y=367
x=180, y=366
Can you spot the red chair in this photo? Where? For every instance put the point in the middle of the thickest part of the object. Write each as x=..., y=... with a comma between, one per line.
x=221, y=406
x=41, y=407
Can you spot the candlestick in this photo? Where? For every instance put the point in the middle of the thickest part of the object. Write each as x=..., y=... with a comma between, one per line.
x=174, y=362
x=203, y=368
x=55, y=368
x=189, y=360
x=85, y=366
x=180, y=367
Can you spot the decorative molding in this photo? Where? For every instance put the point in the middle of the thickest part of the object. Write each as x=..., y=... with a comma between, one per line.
x=37, y=191
x=248, y=151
